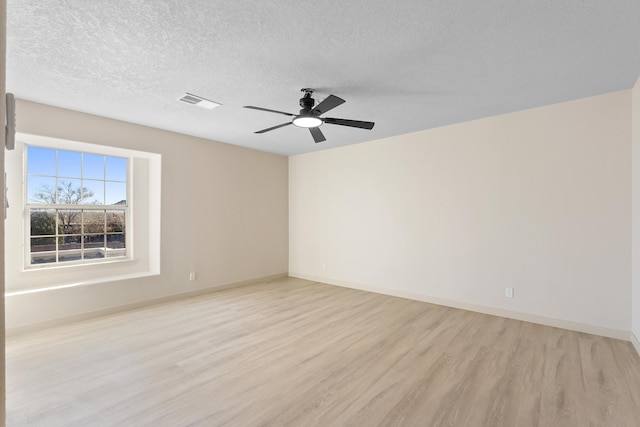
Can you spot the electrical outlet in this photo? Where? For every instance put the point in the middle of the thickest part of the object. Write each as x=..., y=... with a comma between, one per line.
x=508, y=292
x=192, y=276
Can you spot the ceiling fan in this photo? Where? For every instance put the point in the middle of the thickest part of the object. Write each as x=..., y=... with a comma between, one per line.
x=309, y=116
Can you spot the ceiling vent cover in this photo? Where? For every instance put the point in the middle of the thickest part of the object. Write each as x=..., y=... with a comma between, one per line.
x=198, y=101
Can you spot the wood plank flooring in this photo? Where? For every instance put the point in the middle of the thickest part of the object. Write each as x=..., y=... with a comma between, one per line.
x=297, y=353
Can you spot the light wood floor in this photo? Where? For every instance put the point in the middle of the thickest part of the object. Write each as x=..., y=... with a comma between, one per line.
x=298, y=353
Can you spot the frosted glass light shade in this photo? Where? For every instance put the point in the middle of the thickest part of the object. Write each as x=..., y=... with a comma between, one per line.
x=307, y=121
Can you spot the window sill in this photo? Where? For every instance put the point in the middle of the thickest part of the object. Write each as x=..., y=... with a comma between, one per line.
x=79, y=266
x=95, y=281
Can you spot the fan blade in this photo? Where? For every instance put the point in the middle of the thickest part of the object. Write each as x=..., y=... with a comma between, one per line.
x=268, y=110
x=329, y=103
x=274, y=127
x=352, y=123
x=317, y=135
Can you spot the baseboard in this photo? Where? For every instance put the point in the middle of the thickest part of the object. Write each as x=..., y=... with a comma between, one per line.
x=22, y=329
x=527, y=317
x=636, y=342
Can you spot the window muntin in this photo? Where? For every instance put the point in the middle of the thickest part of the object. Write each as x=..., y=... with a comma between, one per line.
x=77, y=209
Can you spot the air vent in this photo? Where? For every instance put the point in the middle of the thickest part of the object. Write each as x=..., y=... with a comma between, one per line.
x=198, y=101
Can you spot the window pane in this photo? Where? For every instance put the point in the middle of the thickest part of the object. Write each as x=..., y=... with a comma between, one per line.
x=69, y=164
x=69, y=192
x=43, y=244
x=94, y=246
x=68, y=243
x=116, y=193
x=41, y=161
x=67, y=256
x=116, y=245
x=94, y=241
x=115, y=221
x=41, y=190
x=69, y=249
x=92, y=192
x=96, y=253
x=92, y=166
x=116, y=169
x=93, y=221
x=43, y=222
x=69, y=221
x=43, y=250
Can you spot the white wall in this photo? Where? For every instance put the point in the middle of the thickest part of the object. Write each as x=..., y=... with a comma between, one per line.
x=224, y=215
x=537, y=200
x=635, y=299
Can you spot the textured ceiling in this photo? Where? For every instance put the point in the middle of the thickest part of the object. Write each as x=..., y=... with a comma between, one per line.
x=406, y=65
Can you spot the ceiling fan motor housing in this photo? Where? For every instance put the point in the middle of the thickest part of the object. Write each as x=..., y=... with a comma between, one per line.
x=307, y=102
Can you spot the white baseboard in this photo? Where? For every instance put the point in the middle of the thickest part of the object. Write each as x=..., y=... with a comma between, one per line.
x=527, y=317
x=22, y=329
x=636, y=342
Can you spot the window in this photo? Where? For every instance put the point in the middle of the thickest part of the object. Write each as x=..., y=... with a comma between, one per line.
x=80, y=213
x=76, y=206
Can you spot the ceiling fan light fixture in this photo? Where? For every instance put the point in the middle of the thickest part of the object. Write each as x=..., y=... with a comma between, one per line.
x=307, y=121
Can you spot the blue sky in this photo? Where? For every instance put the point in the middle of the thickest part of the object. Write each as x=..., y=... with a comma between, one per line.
x=105, y=176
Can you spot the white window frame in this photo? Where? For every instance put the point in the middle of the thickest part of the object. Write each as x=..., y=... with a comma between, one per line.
x=80, y=207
